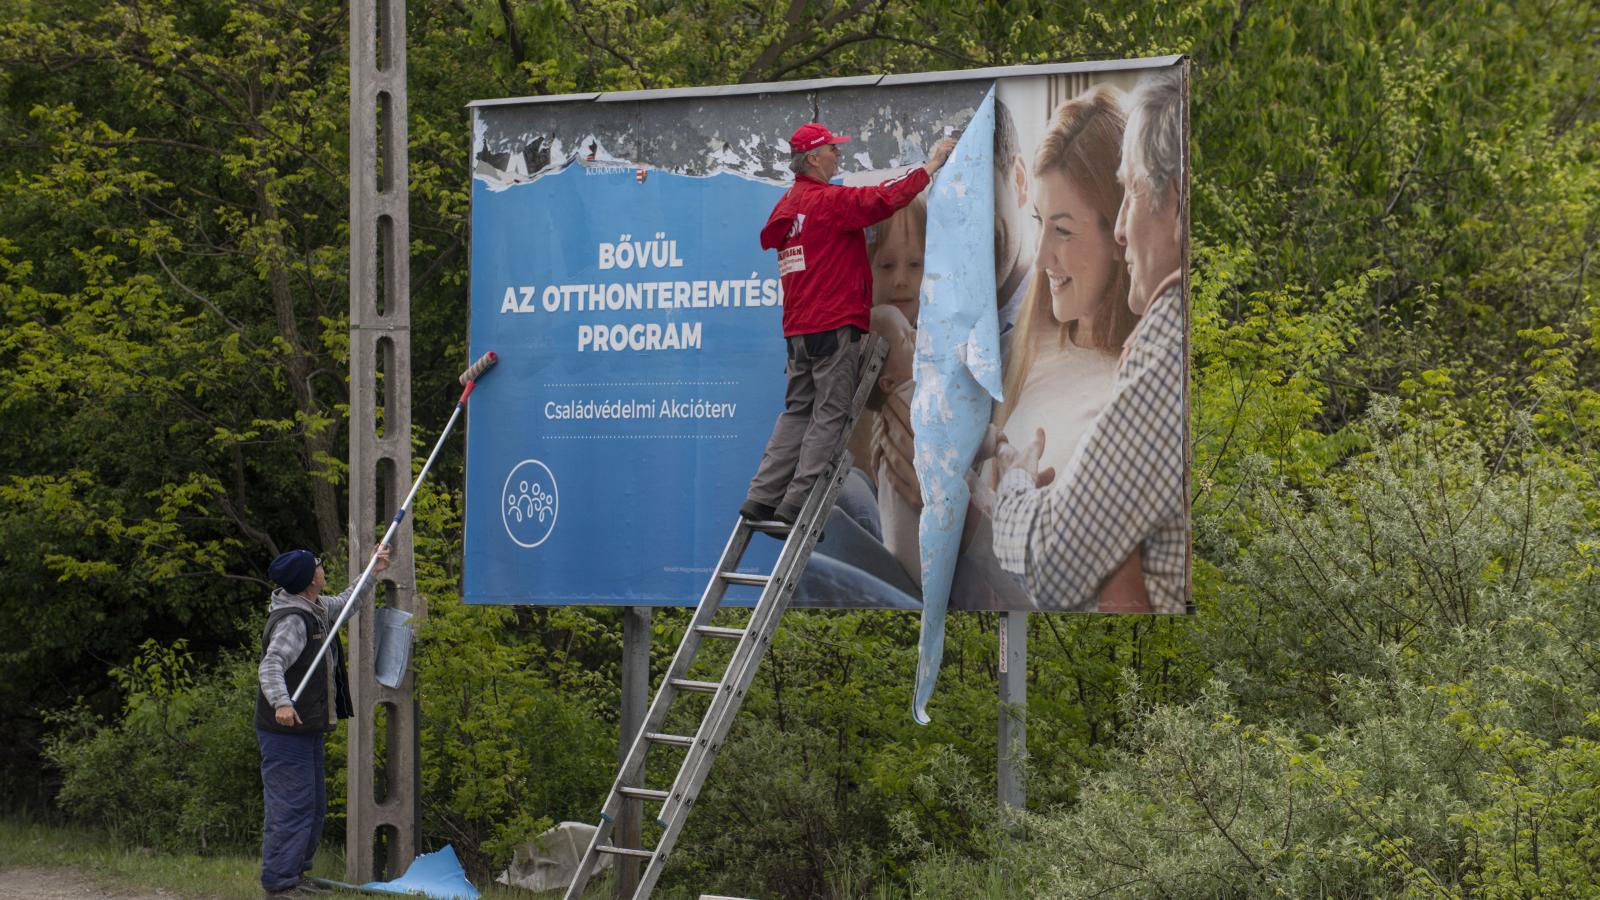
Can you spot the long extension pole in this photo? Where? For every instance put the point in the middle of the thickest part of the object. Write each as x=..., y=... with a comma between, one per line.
x=469, y=379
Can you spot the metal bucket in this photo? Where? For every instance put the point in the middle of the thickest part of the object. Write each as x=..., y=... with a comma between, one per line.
x=394, y=646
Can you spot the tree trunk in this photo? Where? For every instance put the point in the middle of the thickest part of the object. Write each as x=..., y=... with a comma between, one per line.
x=316, y=444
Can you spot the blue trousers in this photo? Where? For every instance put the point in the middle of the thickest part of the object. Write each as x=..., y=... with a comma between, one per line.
x=294, y=786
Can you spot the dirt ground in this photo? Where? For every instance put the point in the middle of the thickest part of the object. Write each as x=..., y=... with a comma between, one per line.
x=61, y=884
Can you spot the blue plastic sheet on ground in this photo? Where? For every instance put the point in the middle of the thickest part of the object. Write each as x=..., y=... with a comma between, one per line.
x=957, y=371
x=437, y=874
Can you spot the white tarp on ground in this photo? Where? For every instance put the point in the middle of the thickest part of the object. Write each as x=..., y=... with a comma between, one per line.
x=548, y=862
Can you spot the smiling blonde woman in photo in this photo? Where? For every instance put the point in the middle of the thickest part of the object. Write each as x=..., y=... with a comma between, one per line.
x=1075, y=316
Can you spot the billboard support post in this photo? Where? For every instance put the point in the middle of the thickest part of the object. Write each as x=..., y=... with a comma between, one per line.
x=635, y=703
x=1013, y=706
x=381, y=835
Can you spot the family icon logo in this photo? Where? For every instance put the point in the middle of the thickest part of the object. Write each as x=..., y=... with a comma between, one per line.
x=529, y=503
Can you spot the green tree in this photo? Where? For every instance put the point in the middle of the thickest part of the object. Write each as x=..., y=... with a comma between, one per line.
x=1394, y=208
x=173, y=297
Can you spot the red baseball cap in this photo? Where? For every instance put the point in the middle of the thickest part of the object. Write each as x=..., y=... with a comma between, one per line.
x=812, y=135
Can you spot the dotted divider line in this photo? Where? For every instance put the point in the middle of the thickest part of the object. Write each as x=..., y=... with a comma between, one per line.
x=569, y=384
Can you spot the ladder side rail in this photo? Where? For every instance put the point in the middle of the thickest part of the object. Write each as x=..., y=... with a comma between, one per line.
x=694, y=772
x=682, y=659
x=633, y=766
x=689, y=647
x=718, y=719
x=753, y=646
x=791, y=563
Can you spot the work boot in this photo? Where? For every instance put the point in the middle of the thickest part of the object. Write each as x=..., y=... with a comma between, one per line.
x=786, y=514
x=301, y=891
x=755, y=511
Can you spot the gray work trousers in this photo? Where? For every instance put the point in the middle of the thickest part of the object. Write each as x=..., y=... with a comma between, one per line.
x=823, y=371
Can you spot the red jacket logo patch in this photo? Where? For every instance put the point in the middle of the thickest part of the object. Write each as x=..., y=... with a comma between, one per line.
x=791, y=260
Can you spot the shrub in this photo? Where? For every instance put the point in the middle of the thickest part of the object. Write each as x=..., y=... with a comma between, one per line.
x=179, y=769
x=1401, y=701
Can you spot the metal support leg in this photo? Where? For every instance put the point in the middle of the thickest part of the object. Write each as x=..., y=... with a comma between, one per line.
x=1013, y=705
x=635, y=703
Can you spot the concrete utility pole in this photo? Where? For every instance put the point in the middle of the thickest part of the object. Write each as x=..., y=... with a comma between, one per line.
x=381, y=829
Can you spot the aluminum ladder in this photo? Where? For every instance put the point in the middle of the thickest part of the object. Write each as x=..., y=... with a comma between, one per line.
x=728, y=694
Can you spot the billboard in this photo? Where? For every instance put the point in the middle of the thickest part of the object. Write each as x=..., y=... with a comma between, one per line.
x=1027, y=444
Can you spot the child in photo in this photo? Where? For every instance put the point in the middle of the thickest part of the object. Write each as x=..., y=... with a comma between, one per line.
x=894, y=251
x=899, y=497
x=895, y=254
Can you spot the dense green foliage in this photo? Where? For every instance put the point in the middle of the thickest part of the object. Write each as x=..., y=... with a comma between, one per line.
x=1401, y=700
x=1390, y=688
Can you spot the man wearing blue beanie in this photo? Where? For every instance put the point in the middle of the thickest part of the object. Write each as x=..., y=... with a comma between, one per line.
x=291, y=733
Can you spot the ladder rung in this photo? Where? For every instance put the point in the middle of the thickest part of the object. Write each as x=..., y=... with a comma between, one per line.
x=676, y=740
x=718, y=631
x=624, y=851
x=742, y=578
x=687, y=684
x=642, y=793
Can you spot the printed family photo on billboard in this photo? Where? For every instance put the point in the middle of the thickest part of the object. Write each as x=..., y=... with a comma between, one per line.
x=1079, y=491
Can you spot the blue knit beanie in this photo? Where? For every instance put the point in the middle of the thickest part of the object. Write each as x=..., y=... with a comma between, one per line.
x=294, y=570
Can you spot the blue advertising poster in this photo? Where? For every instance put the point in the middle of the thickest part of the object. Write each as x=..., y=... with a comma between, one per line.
x=637, y=323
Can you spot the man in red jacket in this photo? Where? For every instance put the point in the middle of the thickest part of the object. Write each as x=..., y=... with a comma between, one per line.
x=818, y=230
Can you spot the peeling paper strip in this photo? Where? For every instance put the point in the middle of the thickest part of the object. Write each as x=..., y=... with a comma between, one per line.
x=958, y=371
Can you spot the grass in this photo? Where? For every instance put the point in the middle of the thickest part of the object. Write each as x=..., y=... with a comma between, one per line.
x=102, y=859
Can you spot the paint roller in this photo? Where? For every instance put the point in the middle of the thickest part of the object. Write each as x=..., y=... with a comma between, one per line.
x=399, y=647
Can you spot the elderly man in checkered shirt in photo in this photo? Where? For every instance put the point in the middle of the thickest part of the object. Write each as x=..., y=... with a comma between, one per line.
x=1123, y=499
